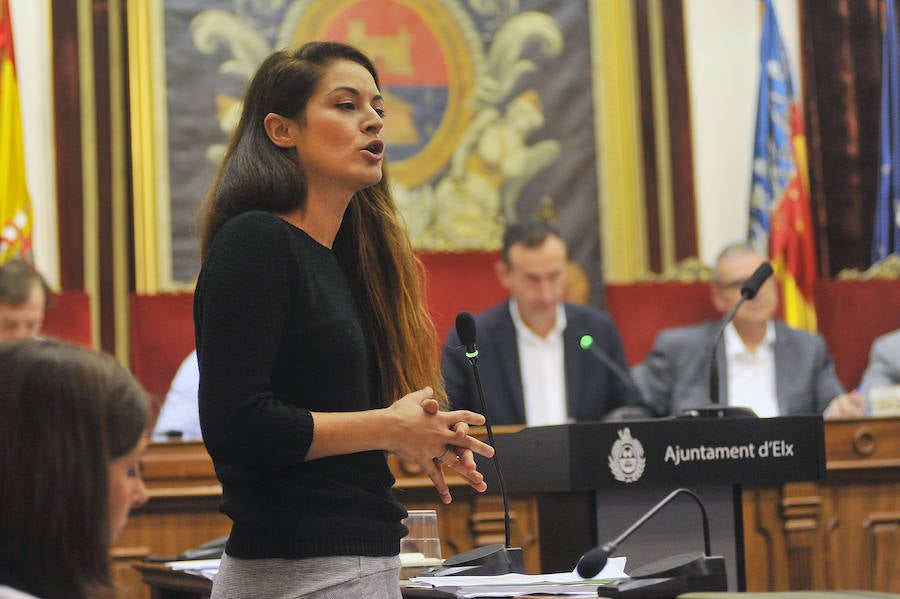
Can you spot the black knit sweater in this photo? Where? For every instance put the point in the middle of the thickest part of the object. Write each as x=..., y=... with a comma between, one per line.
x=278, y=336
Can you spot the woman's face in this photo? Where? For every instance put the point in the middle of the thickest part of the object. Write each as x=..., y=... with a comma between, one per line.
x=338, y=140
x=126, y=486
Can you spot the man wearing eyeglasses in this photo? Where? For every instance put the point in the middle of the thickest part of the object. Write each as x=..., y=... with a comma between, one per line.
x=765, y=365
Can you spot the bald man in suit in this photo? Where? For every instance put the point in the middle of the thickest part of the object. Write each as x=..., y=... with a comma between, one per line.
x=771, y=368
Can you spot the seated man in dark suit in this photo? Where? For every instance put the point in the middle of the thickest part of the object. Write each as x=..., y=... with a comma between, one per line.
x=765, y=365
x=531, y=366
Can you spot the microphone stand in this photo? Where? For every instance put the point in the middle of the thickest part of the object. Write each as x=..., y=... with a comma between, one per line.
x=633, y=408
x=473, y=358
x=668, y=577
x=495, y=559
x=716, y=410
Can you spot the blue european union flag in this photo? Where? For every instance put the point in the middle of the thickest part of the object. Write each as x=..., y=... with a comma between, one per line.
x=773, y=155
x=886, y=233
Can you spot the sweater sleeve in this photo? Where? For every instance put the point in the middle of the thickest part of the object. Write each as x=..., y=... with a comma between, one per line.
x=242, y=305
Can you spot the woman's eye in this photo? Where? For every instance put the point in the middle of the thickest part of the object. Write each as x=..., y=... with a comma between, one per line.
x=137, y=470
x=346, y=106
x=380, y=112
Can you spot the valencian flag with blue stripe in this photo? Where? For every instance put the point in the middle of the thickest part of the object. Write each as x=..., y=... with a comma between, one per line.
x=780, y=216
x=15, y=204
x=886, y=233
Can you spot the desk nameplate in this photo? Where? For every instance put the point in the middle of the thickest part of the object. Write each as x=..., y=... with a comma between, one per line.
x=594, y=456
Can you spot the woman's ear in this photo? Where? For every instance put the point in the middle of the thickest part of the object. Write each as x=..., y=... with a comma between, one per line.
x=281, y=130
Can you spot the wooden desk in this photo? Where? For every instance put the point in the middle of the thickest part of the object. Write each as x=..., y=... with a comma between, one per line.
x=165, y=583
x=797, y=536
x=182, y=511
x=842, y=532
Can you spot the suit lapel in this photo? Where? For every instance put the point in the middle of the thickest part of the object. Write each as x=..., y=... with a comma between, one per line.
x=784, y=362
x=572, y=361
x=508, y=357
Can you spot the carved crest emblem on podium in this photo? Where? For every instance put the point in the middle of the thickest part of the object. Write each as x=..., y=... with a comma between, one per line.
x=626, y=460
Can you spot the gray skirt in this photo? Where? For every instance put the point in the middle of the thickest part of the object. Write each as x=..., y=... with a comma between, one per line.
x=339, y=577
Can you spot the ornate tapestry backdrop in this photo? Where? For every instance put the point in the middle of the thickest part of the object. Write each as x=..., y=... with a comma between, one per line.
x=489, y=111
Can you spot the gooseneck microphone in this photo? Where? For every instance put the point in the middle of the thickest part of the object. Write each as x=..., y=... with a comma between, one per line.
x=752, y=285
x=465, y=330
x=680, y=573
x=587, y=343
x=594, y=560
x=491, y=559
x=748, y=292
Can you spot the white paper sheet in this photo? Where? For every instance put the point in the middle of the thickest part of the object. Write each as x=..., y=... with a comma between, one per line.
x=512, y=585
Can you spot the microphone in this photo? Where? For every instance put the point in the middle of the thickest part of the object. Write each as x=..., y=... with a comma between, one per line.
x=751, y=286
x=492, y=559
x=587, y=343
x=465, y=330
x=680, y=573
x=748, y=291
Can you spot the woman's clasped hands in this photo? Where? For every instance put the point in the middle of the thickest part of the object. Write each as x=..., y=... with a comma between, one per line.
x=434, y=438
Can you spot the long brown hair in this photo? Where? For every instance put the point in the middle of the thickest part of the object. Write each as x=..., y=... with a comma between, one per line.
x=65, y=413
x=373, y=245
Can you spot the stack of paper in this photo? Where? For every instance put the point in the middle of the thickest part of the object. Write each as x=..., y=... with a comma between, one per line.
x=206, y=568
x=513, y=585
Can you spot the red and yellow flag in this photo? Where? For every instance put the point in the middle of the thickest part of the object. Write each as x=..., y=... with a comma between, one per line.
x=780, y=215
x=15, y=204
x=791, y=245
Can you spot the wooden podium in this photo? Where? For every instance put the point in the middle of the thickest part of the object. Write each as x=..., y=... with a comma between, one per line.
x=592, y=480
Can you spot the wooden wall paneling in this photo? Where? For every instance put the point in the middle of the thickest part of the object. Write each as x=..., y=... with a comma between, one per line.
x=881, y=549
x=841, y=59
x=681, y=145
x=757, y=538
x=863, y=493
x=67, y=120
x=763, y=542
x=842, y=532
x=677, y=185
x=782, y=537
x=104, y=160
x=801, y=509
x=648, y=137
x=863, y=534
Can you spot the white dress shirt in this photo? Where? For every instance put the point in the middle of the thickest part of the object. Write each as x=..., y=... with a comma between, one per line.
x=751, y=374
x=180, y=411
x=542, y=364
